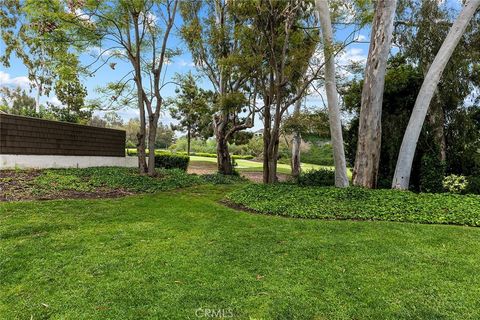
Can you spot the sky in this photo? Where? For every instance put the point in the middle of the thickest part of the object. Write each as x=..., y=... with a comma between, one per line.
x=16, y=74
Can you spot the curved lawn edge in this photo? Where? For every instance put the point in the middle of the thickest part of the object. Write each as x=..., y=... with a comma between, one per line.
x=328, y=203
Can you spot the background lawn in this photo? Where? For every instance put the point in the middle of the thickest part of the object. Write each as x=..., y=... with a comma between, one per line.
x=254, y=166
x=162, y=256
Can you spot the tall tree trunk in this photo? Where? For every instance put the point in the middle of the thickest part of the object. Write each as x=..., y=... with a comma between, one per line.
x=436, y=119
x=270, y=157
x=401, y=178
x=370, y=128
x=152, y=133
x=224, y=161
x=141, y=135
x=270, y=143
x=188, y=141
x=37, y=98
x=296, y=142
x=341, y=178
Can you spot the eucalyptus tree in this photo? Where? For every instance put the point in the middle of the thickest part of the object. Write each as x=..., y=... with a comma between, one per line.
x=341, y=178
x=401, y=177
x=212, y=32
x=136, y=32
x=281, y=39
x=369, y=134
x=295, y=162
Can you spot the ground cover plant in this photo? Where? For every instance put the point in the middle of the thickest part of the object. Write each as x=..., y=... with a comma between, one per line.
x=169, y=254
x=98, y=182
x=359, y=203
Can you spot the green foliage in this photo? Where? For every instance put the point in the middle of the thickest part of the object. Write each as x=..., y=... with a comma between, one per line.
x=52, y=181
x=168, y=160
x=473, y=184
x=192, y=108
x=358, y=203
x=321, y=155
x=319, y=177
x=213, y=155
x=402, y=83
x=432, y=174
x=463, y=141
x=17, y=101
x=455, y=184
x=133, y=152
x=218, y=178
x=310, y=124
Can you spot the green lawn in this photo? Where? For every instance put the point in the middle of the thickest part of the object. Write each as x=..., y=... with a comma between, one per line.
x=255, y=166
x=164, y=255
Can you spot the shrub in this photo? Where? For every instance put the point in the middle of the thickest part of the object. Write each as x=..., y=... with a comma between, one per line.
x=320, y=177
x=171, y=161
x=455, y=184
x=358, y=203
x=473, y=184
x=432, y=173
x=321, y=155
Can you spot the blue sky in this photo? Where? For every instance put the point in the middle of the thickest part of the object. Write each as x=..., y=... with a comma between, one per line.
x=16, y=75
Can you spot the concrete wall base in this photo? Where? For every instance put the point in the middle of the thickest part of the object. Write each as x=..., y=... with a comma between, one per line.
x=20, y=161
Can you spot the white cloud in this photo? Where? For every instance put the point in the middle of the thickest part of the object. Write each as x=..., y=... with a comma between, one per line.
x=347, y=57
x=54, y=100
x=361, y=37
x=7, y=81
x=183, y=63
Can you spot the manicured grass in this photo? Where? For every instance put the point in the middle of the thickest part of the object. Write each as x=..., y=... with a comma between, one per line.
x=163, y=256
x=256, y=166
x=357, y=203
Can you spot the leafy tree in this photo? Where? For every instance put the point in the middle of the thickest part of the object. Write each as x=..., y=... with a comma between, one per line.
x=402, y=83
x=71, y=94
x=165, y=136
x=32, y=31
x=212, y=32
x=17, y=101
x=427, y=91
x=136, y=32
x=279, y=37
x=192, y=108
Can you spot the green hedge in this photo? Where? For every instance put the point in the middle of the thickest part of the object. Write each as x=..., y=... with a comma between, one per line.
x=168, y=160
x=321, y=155
x=357, y=203
x=318, y=177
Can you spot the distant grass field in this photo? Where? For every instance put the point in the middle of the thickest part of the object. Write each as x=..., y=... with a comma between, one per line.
x=256, y=166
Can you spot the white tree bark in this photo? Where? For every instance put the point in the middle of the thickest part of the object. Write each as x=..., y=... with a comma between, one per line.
x=341, y=178
x=367, y=158
x=401, y=178
x=296, y=143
